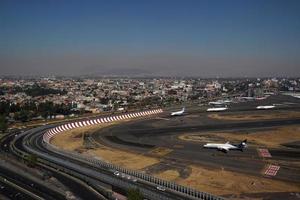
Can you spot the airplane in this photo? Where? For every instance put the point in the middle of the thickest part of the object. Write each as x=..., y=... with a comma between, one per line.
x=218, y=109
x=220, y=102
x=178, y=113
x=265, y=107
x=227, y=146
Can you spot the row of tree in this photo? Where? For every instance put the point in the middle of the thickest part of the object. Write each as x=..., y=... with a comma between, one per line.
x=30, y=110
x=35, y=90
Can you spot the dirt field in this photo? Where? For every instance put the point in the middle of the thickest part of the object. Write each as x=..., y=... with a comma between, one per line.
x=222, y=182
x=160, y=151
x=258, y=116
x=122, y=158
x=72, y=140
x=268, y=138
x=170, y=175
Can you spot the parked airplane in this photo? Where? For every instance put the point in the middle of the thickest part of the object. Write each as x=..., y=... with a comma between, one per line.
x=178, y=113
x=220, y=102
x=227, y=146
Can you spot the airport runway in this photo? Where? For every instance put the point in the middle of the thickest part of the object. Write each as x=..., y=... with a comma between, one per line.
x=143, y=136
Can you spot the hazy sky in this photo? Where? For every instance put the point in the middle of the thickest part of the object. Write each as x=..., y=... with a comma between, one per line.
x=163, y=37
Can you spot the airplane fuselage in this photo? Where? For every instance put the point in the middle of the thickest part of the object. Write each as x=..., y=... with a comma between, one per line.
x=178, y=113
x=226, y=146
x=220, y=146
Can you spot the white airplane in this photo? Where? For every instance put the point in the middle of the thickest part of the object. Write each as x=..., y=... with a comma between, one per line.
x=227, y=146
x=220, y=102
x=218, y=109
x=265, y=107
x=178, y=113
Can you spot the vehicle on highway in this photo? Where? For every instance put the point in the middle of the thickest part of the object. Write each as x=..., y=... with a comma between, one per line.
x=134, y=180
x=227, y=146
x=161, y=188
x=178, y=113
x=117, y=173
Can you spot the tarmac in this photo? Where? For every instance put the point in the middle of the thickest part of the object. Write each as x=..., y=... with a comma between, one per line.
x=144, y=135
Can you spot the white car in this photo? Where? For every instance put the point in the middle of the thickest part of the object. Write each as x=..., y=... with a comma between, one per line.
x=134, y=180
x=117, y=173
x=123, y=175
x=161, y=188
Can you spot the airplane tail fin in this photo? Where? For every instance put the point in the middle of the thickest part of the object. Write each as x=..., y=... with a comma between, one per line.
x=243, y=145
x=183, y=109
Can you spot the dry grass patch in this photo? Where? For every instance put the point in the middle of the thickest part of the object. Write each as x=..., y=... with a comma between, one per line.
x=125, y=159
x=72, y=139
x=195, y=137
x=160, y=151
x=170, y=175
x=222, y=182
x=257, y=116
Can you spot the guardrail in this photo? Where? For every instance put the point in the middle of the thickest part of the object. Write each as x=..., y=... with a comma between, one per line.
x=181, y=190
x=99, y=191
x=59, y=129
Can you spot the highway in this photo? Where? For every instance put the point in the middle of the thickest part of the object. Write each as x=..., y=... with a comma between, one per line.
x=71, y=182
x=31, y=142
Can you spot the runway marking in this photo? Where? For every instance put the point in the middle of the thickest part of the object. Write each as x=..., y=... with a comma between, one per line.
x=162, y=118
x=264, y=153
x=272, y=170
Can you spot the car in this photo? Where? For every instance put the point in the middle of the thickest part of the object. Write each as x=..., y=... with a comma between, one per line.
x=134, y=180
x=161, y=188
x=117, y=173
x=123, y=175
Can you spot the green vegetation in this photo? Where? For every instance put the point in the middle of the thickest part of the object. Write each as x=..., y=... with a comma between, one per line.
x=134, y=194
x=27, y=111
x=31, y=160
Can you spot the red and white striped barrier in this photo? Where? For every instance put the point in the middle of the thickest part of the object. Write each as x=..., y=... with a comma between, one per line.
x=272, y=170
x=59, y=129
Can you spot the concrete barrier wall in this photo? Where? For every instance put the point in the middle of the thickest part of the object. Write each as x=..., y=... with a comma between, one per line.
x=59, y=129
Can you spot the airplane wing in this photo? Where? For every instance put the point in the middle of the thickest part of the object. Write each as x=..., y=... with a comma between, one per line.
x=224, y=149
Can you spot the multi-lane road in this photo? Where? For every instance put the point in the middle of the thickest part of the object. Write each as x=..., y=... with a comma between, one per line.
x=99, y=180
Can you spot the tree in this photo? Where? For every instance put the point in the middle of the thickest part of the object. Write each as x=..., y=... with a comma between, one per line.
x=3, y=123
x=24, y=115
x=134, y=194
